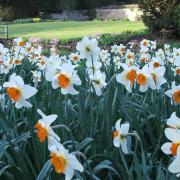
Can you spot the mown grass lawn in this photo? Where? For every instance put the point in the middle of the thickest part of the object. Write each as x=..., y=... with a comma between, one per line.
x=72, y=29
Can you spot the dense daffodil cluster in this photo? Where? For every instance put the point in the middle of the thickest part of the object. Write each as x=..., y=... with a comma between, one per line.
x=141, y=68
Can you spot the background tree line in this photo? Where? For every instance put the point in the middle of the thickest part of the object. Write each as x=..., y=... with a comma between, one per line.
x=31, y=8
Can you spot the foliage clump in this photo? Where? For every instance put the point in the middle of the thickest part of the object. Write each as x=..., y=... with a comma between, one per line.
x=161, y=14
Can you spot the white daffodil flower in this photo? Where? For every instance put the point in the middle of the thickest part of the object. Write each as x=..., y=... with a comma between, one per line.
x=18, y=91
x=88, y=48
x=145, y=79
x=66, y=79
x=43, y=127
x=174, y=93
x=120, y=135
x=127, y=77
x=63, y=161
x=99, y=81
x=158, y=76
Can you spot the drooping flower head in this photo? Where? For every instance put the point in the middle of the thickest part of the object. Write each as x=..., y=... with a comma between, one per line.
x=63, y=161
x=120, y=135
x=43, y=127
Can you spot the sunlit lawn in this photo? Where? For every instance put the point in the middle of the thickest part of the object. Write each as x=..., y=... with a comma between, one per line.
x=72, y=29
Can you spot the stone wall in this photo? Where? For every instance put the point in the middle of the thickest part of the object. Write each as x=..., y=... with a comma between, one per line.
x=130, y=12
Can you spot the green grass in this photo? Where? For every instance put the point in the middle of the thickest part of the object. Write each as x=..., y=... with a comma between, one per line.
x=72, y=29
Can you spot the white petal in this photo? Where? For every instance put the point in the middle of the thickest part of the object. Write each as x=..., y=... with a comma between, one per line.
x=121, y=78
x=124, y=128
x=151, y=83
x=117, y=141
x=72, y=91
x=9, y=84
x=28, y=91
x=166, y=148
x=53, y=134
x=124, y=147
x=48, y=120
x=41, y=113
x=118, y=125
x=169, y=93
x=22, y=103
x=173, y=120
x=74, y=163
x=144, y=88
x=76, y=80
x=172, y=134
x=55, y=84
x=19, y=81
x=69, y=173
x=175, y=166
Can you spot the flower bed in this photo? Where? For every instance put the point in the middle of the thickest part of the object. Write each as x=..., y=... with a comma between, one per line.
x=92, y=114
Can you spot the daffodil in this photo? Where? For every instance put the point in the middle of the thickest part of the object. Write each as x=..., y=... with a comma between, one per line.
x=74, y=57
x=174, y=93
x=130, y=58
x=156, y=62
x=174, y=136
x=98, y=80
x=18, y=91
x=105, y=57
x=19, y=42
x=88, y=48
x=127, y=77
x=63, y=161
x=144, y=44
x=66, y=78
x=145, y=79
x=176, y=56
x=115, y=49
x=43, y=128
x=173, y=121
x=176, y=70
x=175, y=165
x=158, y=76
x=120, y=135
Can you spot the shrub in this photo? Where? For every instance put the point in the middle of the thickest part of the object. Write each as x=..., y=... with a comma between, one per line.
x=6, y=13
x=110, y=39
x=160, y=14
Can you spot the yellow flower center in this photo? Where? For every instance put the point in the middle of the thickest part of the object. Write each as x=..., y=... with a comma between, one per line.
x=14, y=93
x=41, y=132
x=131, y=76
x=63, y=81
x=141, y=79
x=59, y=162
x=176, y=96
